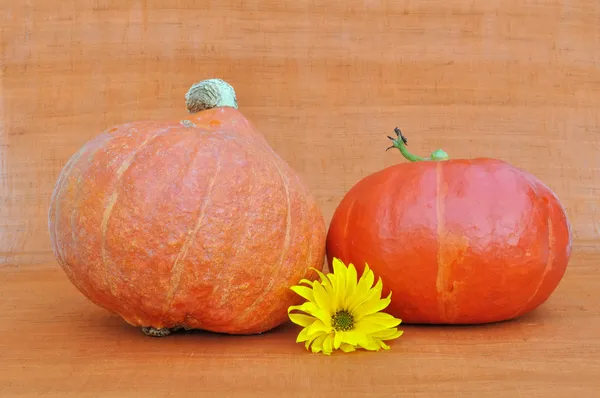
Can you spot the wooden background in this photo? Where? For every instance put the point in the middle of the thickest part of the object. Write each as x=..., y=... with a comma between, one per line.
x=325, y=82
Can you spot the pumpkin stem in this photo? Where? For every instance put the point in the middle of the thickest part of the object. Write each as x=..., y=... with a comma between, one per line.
x=401, y=142
x=210, y=93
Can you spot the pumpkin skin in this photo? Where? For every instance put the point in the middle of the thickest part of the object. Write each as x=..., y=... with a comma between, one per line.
x=465, y=241
x=194, y=224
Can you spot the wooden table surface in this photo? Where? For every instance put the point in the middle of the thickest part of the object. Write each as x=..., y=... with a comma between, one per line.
x=325, y=82
x=55, y=344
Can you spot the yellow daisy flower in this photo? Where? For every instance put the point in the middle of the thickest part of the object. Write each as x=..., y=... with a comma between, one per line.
x=342, y=313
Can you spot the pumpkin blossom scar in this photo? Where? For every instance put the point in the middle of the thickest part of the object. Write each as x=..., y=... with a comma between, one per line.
x=343, y=313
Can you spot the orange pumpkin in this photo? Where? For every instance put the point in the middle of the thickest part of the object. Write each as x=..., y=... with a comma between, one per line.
x=461, y=241
x=194, y=223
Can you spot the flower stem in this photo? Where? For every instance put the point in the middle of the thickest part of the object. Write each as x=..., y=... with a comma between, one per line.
x=401, y=142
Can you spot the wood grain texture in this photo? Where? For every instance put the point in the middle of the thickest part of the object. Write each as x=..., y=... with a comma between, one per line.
x=54, y=343
x=325, y=82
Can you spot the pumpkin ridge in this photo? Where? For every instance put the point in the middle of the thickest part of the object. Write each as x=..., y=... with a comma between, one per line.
x=286, y=244
x=58, y=191
x=244, y=231
x=442, y=264
x=111, y=203
x=75, y=206
x=59, y=187
x=310, y=251
x=547, y=267
x=177, y=268
x=306, y=272
x=348, y=213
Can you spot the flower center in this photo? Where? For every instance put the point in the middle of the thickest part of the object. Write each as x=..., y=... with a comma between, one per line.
x=342, y=320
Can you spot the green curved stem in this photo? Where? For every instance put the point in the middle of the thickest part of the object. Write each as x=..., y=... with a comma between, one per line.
x=401, y=142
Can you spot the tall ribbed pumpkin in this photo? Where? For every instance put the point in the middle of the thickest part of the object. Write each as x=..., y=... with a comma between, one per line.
x=457, y=241
x=194, y=223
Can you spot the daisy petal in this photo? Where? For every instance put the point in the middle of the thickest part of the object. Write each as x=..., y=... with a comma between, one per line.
x=364, y=289
x=310, y=340
x=347, y=347
x=351, y=281
x=318, y=327
x=369, y=325
x=382, y=319
x=370, y=328
x=367, y=342
x=304, y=292
x=355, y=300
x=383, y=345
x=312, y=309
x=337, y=341
x=339, y=268
x=351, y=275
x=317, y=344
x=350, y=337
x=337, y=281
x=370, y=307
x=328, y=345
x=388, y=334
x=366, y=280
x=306, y=282
x=322, y=299
x=324, y=280
x=321, y=275
x=375, y=292
x=302, y=336
x=337, y=292
x=302, y=320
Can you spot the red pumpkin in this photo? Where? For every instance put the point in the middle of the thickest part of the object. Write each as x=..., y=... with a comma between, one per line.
x=462, y=241
x=193, y=223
